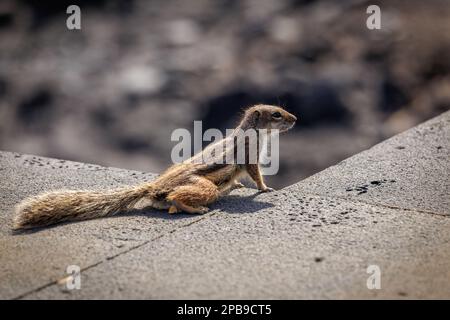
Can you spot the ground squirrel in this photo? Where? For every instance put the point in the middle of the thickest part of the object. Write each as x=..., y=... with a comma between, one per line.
x=188, y=186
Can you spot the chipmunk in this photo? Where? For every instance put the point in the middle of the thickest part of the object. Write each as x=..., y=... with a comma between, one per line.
x=189, y=186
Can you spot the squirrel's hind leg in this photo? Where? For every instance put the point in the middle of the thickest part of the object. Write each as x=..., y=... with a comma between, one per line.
x=189, y=209
x=173, y=209
x=194, y=197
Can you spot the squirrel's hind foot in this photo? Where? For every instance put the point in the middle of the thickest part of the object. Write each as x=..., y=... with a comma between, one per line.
x=173, y=209
x=179, y=206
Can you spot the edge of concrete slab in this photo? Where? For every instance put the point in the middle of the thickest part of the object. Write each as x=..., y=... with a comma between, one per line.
x=409, y=171
x=360, y=170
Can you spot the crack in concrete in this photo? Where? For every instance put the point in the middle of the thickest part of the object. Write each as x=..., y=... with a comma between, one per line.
x=382, y=205
x=108, y=258
x=51, y=283
x=215, y=212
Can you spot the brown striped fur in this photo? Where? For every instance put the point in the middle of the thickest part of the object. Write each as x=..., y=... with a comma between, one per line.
x=189, y=186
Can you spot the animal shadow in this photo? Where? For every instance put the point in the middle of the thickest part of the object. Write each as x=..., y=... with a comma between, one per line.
x=232, y=204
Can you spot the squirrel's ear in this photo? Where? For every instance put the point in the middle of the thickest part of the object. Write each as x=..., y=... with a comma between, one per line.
x=256, y=114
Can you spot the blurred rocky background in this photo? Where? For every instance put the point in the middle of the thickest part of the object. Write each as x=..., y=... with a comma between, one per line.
x=113, y=92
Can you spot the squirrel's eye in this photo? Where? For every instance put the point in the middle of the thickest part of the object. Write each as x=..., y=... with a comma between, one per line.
x=276, y=115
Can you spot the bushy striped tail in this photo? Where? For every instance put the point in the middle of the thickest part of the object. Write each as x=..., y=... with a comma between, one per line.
x=66, y=205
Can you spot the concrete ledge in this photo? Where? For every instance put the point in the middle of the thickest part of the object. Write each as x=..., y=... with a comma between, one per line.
x=410, y=171
x=387, y=206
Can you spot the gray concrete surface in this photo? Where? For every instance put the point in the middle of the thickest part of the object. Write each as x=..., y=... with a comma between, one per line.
x=410, y=170
x=32, y=260
x=314, y=239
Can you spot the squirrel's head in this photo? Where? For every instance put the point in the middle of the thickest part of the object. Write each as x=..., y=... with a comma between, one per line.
x=263, y=116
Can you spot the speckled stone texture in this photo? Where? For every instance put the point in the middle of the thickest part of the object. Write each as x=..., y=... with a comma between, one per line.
x=387, y=206
x=410, y=171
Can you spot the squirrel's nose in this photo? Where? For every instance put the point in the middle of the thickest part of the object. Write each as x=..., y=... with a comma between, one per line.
x=293, y=118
